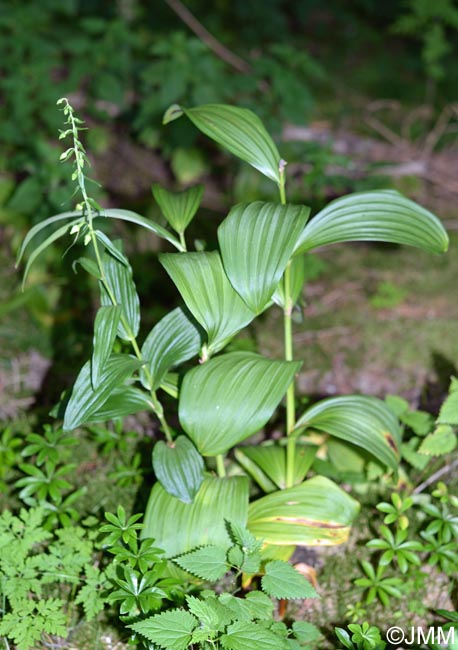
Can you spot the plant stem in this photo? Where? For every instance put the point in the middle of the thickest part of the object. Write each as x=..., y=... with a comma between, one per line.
x=288, y=338
x=220, y=466
x=183, y=242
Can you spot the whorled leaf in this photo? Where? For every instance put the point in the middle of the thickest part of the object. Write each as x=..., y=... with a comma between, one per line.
x=179, y=468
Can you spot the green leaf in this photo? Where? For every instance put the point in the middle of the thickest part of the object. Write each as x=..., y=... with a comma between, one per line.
x=60, y=232
x=133, y=217
x=317, y=512
x=201, y=522
x=174, y=339
x=257, y=241
x=35, y=230
x=440, y=442
x=364, y=421
x=118, y=278
x=208, y=294
x=298, y=274
x=270, y=461
x=178, y=207
x=281, y=580
x=85, y=401
x=449, y=410
x=170, y=630
x=124, y=401
x=105, y=328
x=239, y=131
x=179, y=467
x=231, y=397
x=306, y=632
x=111, y=247
x=243, y=635
x=382, y=215
x=208, y=562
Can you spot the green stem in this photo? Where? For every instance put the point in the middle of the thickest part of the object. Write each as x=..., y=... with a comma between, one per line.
x=221, y=470
x=288, y=338
x=183, y=242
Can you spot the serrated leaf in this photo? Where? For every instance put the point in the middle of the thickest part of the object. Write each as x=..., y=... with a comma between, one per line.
x=170, y=630
x=241, y=636
x=85, y=401
x=211, y=614
x=201, y=522
x=381, y=215
x=306, y=632
x=133, y=217
x=124, y=401
x=121, y=291
x=409, y=451
x=231, y=397
x=440, y=442
x=317, y=512
x=208, y=294
x=257, y=241
x=364, y=421
x=281, y=580
x=174, y=339
x=448, y=413
x=208, y=562
x=179, y=467
x=105, y=328
x=178, y=208
x=239, y=131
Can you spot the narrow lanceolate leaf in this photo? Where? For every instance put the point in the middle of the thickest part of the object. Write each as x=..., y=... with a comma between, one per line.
x=203, y=521
x=118, y=288
x=231, y=397
x=239, y=131
x=179, y=467
x=178, y=208
x=257, y=241
x=133, y=217
x=242, y=635
x=75, y=215
x=105, y=328
x=60, y=232
x=175, y=339
x=208, y=294
x=170, y=630
x=208, y=562
x=315, y=513
x=297, y=278
x=270, y=461
x=382, y=215
x=124, y=401
x=85, y=401
x=364, y=421
x=281, y=580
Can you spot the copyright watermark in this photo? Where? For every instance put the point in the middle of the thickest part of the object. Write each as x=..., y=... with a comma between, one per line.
x=414, y=636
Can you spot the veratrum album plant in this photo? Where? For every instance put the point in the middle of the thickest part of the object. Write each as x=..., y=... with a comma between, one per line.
x=226, y=397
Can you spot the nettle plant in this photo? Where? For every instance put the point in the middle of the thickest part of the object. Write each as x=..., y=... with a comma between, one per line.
x=226, y=397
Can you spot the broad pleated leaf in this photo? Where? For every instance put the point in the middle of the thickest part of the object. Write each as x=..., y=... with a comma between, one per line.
x=208, y=294
x=231, y=397
x=119, y=279
x=171, y=630
x=179, y=467
x=281, y=580
x=257, y=241
x=85, y=401
x=201, y=522
x=133, y=217
x=173, y=340
x=105, y=328
x=124, y=401
x=208, y=562
x=298, y=272
x=111, y=247
x=317, y=512
x=382, y=215
x=178, y=207
x=238, y=130
x=270, y=462
x=364, y=421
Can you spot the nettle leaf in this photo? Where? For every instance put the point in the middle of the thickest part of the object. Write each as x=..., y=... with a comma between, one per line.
x=241, y=636
x=208, y=294
x=364, y=421
x=381, y=215
x=281, y=580
x=170, y=630
x=133, y=217
x=85, y=401
x=179, y=467
x=211, y=614
x=231, y=397
x=201, y=522
x=298, y=273
x=440, y=442
x=208, y=562
x=118, y=279
x=257, y=241
x=238, y=130
x=448, y=413
x=178, y=208
x=105, y=328
x=176, y=338
x=122, y=402
x=315, y=513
